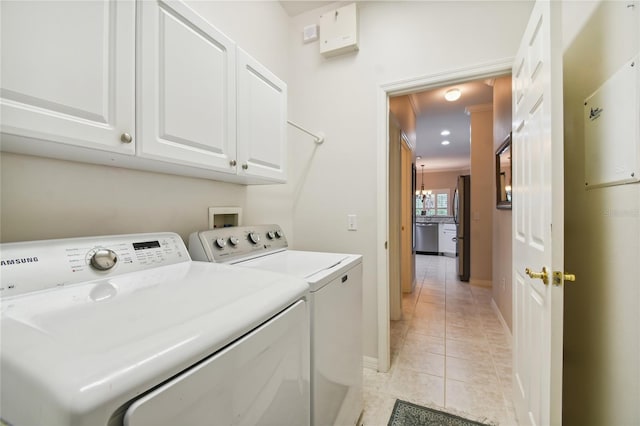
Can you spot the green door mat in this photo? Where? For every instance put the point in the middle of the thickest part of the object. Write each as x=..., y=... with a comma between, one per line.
x=407, y=414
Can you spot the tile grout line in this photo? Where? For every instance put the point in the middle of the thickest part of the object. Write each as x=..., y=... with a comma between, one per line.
x=446, y=283
x=444, y=277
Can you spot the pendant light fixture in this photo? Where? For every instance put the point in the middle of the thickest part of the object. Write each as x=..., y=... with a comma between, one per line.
x=422, y=191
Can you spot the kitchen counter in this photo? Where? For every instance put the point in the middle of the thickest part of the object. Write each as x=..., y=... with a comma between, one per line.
x=431, y=219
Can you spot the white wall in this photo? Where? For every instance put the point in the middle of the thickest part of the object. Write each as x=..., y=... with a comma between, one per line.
x=483, y=181
x=44, y=198
x=602, y=234
x=502, y=255
x=444, y=179
x=398, y=40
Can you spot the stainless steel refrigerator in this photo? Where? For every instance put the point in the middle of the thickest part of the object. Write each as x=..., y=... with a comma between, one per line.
x=462, y=215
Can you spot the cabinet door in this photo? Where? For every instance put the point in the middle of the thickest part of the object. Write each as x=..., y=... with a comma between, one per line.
x=186, y=88
x=67, y=74
x=262, y=119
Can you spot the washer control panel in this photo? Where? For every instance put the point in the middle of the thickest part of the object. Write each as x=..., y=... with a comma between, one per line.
x=39, y=265
x=235, y=243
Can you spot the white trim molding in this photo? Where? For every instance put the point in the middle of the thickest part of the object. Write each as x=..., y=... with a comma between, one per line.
x=395, y=88
x=370, y=363
x=481, y=283
x=507, y=331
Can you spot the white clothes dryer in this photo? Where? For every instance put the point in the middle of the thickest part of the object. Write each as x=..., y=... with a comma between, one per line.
x=335, y=283
x=127, y=330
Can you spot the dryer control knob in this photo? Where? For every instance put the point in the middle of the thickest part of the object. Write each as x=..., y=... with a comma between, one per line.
x=234, y=241
x=220, y=243
x=271, y=235
x=254, y=237
x=104, y=259
x=279, y=234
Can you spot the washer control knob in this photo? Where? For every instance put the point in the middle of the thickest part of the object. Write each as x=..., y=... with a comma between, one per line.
x=104, y=259
x=234, y=241
x=271, y=235
x=279, y=234
x=220, y=242
x=254, y=237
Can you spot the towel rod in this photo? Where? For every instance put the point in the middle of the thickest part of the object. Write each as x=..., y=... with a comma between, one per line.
x=318, y=138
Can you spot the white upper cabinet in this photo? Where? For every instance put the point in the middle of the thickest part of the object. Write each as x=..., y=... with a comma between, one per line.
x=262, y=119
x=68, y=75
x=186, y=88
x=148, y=85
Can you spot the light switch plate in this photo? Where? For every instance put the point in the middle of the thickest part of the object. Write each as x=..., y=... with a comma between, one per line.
x=352, y=222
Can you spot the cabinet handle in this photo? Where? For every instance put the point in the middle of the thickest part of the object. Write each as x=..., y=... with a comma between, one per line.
x=245, y=166
x=126, y=138
x=232, y=163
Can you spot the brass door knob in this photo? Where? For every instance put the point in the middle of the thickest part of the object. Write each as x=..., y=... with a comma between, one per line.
x=560, y=277
x=544, y=275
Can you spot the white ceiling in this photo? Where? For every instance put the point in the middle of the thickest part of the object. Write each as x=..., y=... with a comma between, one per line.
x=434, y=114
x=294, y=8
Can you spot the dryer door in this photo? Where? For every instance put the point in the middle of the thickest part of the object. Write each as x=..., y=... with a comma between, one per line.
x=261, y=379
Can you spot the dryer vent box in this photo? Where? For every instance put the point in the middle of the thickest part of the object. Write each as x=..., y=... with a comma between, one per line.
x=339, y=30
x=223, y=217
x=612, y=129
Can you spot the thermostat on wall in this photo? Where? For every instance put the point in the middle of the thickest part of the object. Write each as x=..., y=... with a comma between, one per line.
x=339, y=30
x=310, y=33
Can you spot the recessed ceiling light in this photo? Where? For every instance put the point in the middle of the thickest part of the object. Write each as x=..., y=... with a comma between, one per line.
x=452, y=95
x=445, y=133
x=445, y=142
x=418, y=158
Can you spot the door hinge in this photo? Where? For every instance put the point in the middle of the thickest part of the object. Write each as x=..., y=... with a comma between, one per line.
x=386, y=245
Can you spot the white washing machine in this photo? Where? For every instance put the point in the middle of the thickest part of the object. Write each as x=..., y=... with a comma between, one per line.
x=127, y=330
x=335, y=283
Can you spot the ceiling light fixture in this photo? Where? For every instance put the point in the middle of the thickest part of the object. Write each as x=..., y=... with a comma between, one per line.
x=445, y=133
x=452, y=95
x=445, y=142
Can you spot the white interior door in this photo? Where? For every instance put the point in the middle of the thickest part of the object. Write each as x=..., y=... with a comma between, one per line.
x=538, y=218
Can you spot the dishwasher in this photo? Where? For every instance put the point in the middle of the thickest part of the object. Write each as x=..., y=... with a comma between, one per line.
x=426, y=238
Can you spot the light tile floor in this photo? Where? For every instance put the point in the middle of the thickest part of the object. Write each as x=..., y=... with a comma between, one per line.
x=449, y=352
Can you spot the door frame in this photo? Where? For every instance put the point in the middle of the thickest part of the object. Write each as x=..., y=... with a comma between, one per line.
x=395, y=88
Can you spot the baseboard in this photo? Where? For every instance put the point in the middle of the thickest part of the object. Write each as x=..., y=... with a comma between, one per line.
x=370, y=363
x=481, y=283
x=412, y=289
x=507, y=331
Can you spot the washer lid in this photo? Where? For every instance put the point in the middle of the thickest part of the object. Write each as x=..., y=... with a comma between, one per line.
x=88, y=348
x=316, y=268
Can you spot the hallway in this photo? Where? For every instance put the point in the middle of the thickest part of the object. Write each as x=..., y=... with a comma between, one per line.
x=449, y=351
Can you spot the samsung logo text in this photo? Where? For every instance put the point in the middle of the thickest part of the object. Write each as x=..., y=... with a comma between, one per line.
x=18, y=261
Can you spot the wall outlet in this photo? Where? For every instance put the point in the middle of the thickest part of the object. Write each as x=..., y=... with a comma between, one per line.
x=352, y=222
x=503, y=283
